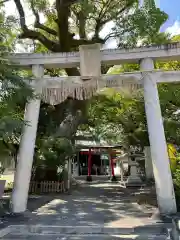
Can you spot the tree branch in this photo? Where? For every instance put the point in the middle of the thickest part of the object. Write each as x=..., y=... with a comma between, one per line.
x=21, y=14
x=38, y=24
x=70, y=2
x=77, y=42
x=34, y=35
x=50, y=45
x=2, y=2
x=45, y=28
x=100, y=22
x=63, y=12
x=81, y=21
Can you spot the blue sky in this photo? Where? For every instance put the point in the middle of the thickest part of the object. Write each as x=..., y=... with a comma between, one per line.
x=172, y=8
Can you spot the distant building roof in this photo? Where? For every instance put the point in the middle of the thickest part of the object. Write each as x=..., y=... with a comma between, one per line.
x=96, y=146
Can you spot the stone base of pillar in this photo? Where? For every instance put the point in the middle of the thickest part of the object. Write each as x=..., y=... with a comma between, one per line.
x=150, y=182
x=17, y=217
x=134, y=181
x=89, y=178
x=113, y=179
x=148, y=164
x=68, y=185
x=175, y=228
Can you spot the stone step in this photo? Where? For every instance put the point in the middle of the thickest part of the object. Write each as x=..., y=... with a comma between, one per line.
x=85, y=237
x=154, y=231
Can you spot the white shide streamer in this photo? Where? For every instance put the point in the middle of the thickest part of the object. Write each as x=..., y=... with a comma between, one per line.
x=83, y=88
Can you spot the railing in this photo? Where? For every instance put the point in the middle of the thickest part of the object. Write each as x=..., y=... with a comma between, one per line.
x=47, y=187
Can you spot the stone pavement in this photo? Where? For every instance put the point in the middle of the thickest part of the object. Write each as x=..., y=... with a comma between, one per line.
x=99, y=210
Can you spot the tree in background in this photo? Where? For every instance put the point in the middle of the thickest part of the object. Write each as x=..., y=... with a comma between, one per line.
x=13, y=93
x=141, y=26
x=120, y=117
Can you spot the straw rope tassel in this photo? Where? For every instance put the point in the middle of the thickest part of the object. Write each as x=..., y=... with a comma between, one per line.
x=84, y=90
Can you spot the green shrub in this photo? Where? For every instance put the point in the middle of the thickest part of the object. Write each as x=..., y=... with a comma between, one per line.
x=176, y=180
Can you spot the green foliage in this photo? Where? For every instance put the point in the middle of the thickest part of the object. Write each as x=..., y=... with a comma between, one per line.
x=7, y=33
x=124, y=68
x=176, y=38
x=119, y=118
x=98, y=13
x=141, y=26
x=53, y=152
x=125, y=114
x=176, y=181
x=13, y=93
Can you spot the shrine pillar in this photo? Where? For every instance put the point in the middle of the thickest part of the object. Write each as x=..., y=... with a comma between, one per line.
x=148, y=163
x=161, y=167
x=26, y=149
x=69, y=173
x=113, y=177
x=109, y=167
x=89, y=177
x=90, y=66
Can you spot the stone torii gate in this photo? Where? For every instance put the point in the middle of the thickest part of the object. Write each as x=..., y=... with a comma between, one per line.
x=56, y=90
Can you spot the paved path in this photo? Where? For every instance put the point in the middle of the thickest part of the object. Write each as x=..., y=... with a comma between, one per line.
x=99, y=208
x=93, y=204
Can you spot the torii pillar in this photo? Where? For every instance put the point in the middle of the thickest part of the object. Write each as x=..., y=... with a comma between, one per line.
x=26, y=150
x=162, y=173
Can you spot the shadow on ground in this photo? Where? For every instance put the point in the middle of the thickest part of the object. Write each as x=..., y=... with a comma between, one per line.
x=91, y=205
x=98, y=206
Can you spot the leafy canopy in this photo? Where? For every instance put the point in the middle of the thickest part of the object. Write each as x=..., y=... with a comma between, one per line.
x=13, y=91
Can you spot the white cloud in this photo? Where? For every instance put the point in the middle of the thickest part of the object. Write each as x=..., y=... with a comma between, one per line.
x=112, y=43
x=174, y=29
x=157, y=3
x=10, y=9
